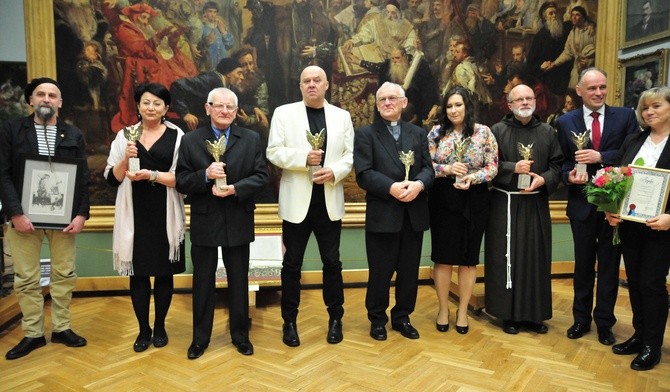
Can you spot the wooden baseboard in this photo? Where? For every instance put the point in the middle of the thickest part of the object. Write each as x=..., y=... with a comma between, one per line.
x=9, y=307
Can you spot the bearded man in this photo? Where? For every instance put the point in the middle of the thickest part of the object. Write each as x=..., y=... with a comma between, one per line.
x=414, y=75
x=481, y=34
x=253, y=96
x=388, y=30
x=518, y=236
x=579, y=46
x=547, y=45
x=464, y=72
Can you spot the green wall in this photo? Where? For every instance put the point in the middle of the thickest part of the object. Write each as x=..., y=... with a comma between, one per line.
x=94, y=254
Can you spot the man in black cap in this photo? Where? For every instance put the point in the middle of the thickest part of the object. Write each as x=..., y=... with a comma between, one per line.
x=42, y=133
x=189, y=93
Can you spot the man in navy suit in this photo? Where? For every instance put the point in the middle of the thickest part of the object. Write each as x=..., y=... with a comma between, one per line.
x=397, y=209
x=221, y=216
x=592, y=236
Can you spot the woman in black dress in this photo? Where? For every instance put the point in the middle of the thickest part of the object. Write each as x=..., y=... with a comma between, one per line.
x=459, y=200
x=646, y=246
x=146, y=202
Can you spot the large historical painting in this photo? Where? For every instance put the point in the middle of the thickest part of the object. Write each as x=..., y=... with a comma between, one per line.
x=104, y=48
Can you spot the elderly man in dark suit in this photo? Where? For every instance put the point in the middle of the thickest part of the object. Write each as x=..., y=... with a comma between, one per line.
x=592, y=235
x=221, y=215
x=397, y=209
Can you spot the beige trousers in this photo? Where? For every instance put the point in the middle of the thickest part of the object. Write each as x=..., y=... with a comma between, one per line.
x=25, y=251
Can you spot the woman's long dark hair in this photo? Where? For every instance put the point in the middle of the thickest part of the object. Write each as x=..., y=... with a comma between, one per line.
x=468, y=120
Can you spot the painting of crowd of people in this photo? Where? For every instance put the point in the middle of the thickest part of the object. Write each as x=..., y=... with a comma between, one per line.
x=105, y=48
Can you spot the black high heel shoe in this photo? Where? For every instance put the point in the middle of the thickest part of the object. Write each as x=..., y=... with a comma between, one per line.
x=459, y=329
x=442, y=327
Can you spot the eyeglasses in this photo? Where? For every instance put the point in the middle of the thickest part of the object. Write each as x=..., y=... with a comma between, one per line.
x=219, y=107
x=392, y=99
x=521, y=100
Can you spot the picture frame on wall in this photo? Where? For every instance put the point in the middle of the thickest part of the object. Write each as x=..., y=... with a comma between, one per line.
x=644, y=21
x=641, y=73
x=50, y=188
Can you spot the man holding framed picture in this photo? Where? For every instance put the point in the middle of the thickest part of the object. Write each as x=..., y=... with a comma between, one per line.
x=42, y=134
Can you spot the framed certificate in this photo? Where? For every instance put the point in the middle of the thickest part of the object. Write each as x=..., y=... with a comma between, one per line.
x=648, y=195
x=50, y=190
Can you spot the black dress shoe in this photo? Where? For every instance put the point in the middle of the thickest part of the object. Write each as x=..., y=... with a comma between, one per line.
x=378, y=332
x=578, y=330
x=160, y=341
x=160, y=337
x=406, y=330
x=244, y=348
x=290, y=335
x=334, y=331
x=537, y=327
x=647, y=358
x=630, y=346
x=141, y=344
x=605, y=336
x=196, y=350
x=510, y=327
x=442, y=327
x=68, y=338
x=25, y=347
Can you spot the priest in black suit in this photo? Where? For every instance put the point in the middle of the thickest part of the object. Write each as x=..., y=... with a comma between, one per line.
x=221, y=217
x=397, y=209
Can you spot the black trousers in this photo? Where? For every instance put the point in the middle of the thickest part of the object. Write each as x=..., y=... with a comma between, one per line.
x=646, y=254
x=593, y=239
x=388, y=253
x=236, y=261
x=295, y=237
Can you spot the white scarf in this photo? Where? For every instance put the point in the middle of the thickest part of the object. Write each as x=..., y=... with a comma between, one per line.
x=123, y=234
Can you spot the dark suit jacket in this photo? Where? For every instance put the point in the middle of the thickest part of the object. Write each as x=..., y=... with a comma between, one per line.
x=619, y=122
x=377, y=164
x=217, y=221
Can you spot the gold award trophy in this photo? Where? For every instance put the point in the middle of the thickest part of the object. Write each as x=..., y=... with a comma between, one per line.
x=217, y=149
x=132, y=134
x=460, y=148
x=581, y=141
x=527, y=154
x=407, y=158
x=316, y=141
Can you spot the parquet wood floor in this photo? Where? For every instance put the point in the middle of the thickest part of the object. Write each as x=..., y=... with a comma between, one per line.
x=486, y=359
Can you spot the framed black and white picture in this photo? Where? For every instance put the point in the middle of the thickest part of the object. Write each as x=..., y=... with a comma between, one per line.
x=644, y=21
x=50, y=189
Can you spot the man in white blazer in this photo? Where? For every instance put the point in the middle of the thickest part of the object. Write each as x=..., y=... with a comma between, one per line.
x=311, y=194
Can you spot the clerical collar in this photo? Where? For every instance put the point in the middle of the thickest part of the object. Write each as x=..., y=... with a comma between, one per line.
x=217, y=132
x=391, y=123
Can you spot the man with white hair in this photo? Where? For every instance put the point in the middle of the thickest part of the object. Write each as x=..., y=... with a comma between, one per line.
x=414, y=75
x=518, y=237
x=579, y=46
x=547, y=45
x=397, y=209
x=388, y=29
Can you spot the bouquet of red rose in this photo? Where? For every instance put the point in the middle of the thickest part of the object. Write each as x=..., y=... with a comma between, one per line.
x=607, y=189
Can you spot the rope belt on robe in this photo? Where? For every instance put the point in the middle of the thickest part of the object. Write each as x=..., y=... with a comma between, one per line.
x=508, y=255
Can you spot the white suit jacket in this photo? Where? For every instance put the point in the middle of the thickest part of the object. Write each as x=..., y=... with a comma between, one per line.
x=288, y=148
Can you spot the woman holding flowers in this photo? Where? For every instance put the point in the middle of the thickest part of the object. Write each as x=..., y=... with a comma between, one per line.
x=465, y=159
x=646, y=247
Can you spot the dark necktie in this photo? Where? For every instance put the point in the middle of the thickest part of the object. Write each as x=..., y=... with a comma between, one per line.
x=595, y=130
